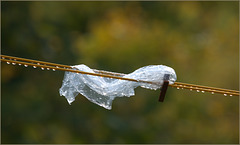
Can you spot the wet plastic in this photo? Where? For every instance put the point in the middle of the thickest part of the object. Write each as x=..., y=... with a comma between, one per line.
x=102, y=90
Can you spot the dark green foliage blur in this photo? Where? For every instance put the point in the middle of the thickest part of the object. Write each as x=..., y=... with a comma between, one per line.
x=198, y=39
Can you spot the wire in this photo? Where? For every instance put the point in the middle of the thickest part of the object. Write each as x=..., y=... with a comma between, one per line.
x=101, y=73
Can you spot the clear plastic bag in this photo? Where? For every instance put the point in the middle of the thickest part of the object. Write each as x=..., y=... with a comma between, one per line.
x=102, y=90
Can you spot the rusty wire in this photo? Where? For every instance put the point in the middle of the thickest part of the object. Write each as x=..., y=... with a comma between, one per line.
x=101, y=73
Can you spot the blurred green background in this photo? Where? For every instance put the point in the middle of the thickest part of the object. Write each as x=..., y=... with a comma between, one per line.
x=198, y=39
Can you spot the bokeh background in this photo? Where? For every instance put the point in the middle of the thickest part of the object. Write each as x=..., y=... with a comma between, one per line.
x=198, y=39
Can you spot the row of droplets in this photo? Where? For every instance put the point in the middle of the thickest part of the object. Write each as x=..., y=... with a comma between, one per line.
x=43, y=68
x=180, y=86
x=198, y=90
x=13, y=63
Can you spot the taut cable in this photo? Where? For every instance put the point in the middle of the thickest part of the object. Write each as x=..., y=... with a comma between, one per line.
x=101, y=73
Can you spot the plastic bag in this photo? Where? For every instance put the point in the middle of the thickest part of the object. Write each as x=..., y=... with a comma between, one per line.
x=102, y=90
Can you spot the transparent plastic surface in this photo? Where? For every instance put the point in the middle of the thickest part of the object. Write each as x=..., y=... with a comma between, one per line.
x=102, y=90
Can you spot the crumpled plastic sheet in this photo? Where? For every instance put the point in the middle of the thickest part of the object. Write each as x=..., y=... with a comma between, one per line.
x=102, y=90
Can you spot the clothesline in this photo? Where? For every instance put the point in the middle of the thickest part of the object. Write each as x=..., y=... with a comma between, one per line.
x=101, y=73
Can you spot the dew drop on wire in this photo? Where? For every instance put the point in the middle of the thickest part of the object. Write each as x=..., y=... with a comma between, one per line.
x=190, y=89
x=13, y=63
x=42, y=68
x=198, y=91
x=203, y=91
x=48, y=68
x=34, y=66
x=178, y=88
x=225, y=94
x=25, y=65
x=212, y=92
x=53, y=69
x=8, y=62
x=230, y=95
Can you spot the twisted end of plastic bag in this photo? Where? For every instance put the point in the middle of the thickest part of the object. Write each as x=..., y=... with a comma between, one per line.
x=102, y=91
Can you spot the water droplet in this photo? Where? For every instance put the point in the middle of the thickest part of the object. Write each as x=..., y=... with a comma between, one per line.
x=203, y=91
x=198, y=91
x=230, y=95
x=13, y=63
x=190, y=89
x=48, y=68
x=34, y=67
x=212, y=92
x=8, y=62
x=25, y=65
x=178, y=88
x=57, y=67
x=42, y=68
x=225, y=94
x=38, y=63
x=19, y=64
x=53, y=69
